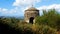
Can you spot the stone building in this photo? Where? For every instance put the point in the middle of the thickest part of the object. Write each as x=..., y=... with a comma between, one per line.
x=30, y=15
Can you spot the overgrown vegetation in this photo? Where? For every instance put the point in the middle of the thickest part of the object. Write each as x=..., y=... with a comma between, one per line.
x=50, y=18
x=48, y=23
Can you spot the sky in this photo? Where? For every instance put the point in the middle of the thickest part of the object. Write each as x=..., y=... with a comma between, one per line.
x=17, y=7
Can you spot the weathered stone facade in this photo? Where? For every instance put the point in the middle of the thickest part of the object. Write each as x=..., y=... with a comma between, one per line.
x=30, y=14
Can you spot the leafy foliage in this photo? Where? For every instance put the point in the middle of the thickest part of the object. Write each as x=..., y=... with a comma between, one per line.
x=50, y=18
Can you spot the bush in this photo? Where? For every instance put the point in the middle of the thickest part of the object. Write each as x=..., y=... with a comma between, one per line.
x=50, y=18
x=36, y=29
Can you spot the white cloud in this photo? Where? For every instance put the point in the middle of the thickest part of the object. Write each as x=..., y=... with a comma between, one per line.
x=3, y=10
x=6, y=11
x=12, y=12
x=25, y=2
x=0, y=8
x=53, y=6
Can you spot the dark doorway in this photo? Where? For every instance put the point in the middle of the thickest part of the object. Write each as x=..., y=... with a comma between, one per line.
x=31, y=20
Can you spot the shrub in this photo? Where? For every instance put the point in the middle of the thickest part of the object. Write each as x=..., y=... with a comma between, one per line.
x=36, y=29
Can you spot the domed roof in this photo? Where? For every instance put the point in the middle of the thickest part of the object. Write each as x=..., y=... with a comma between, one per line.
x=32, y=9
